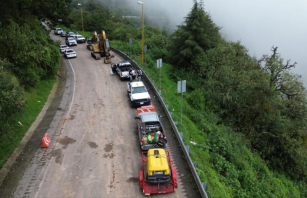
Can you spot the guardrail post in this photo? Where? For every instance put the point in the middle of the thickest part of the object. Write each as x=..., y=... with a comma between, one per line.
x=181, y=134
x=205, y=185
x=195, y=164
x=187, y=148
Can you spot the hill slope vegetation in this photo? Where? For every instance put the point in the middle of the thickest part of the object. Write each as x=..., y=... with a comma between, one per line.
x=246, y=115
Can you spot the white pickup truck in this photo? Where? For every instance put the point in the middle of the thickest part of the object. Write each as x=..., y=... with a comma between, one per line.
x=138, y=94
x=124, y=69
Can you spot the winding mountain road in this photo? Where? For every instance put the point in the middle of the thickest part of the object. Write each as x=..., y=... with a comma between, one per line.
x=95, y=150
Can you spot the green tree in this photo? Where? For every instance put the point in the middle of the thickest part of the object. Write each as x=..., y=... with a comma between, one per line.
x=18, y=10
x=197, y=35
x=33, y=55
x=283, y=141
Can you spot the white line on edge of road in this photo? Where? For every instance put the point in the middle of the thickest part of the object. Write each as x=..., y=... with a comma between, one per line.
x=66, y=117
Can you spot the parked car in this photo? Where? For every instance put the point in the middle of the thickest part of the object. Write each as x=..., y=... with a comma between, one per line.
x=138, y=94
x=63, y=34
x=63, y=48
x=71, y=34
x=70, y=41
x=79, y=38
x=70, y=53
x=58, y=31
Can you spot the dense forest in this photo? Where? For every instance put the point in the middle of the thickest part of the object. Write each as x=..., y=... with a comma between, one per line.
x=27, y=54
x=247, y=114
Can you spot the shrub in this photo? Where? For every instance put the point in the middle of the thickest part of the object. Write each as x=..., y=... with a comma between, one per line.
x=12, y=98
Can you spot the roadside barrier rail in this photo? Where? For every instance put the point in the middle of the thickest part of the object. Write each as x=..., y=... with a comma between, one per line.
x=185, y=148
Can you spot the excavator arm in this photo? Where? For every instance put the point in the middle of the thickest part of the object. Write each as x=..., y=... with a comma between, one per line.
x=104, y=46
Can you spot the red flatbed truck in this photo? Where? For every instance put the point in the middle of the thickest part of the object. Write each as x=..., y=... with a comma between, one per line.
x=157, y=174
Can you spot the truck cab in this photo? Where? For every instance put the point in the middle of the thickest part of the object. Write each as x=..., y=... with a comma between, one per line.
x=138, y=94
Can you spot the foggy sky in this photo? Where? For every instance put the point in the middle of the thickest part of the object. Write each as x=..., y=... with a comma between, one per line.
x=258, y=24
x=261, y=24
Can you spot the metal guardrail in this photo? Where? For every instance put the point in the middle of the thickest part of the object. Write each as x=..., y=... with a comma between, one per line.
x=185, y=148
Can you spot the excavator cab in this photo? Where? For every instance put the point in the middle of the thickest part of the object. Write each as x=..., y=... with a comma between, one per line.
x=93, y=39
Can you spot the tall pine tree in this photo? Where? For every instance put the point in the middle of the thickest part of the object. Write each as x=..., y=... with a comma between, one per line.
x=197, y=35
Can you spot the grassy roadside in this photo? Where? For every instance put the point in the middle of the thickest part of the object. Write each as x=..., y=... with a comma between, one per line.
x=36, y=99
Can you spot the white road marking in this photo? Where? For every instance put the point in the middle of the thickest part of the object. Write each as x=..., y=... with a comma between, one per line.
x=67, y=115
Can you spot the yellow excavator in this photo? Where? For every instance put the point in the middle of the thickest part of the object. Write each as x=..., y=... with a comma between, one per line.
x=100, y=47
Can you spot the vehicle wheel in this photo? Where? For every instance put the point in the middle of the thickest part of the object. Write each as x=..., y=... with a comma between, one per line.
x=113, y=68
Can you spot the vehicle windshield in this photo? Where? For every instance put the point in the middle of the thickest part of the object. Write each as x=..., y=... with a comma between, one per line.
x=71, y=39
x=135, y=90
x=80, y=36
x=70, y=51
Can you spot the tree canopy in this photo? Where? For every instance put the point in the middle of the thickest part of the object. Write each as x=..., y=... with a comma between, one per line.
x=27, y=54
x=192, y=39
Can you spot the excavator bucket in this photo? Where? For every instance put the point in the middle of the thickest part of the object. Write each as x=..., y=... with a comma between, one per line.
x=107, y=60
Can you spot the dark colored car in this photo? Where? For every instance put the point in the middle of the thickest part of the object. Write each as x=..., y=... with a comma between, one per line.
x=71, y=34
x=63, y=34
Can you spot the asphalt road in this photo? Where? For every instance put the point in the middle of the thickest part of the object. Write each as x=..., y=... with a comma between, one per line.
x=95, y=150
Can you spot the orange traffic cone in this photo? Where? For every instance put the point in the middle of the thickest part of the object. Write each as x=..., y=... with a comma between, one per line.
x=46, y=141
